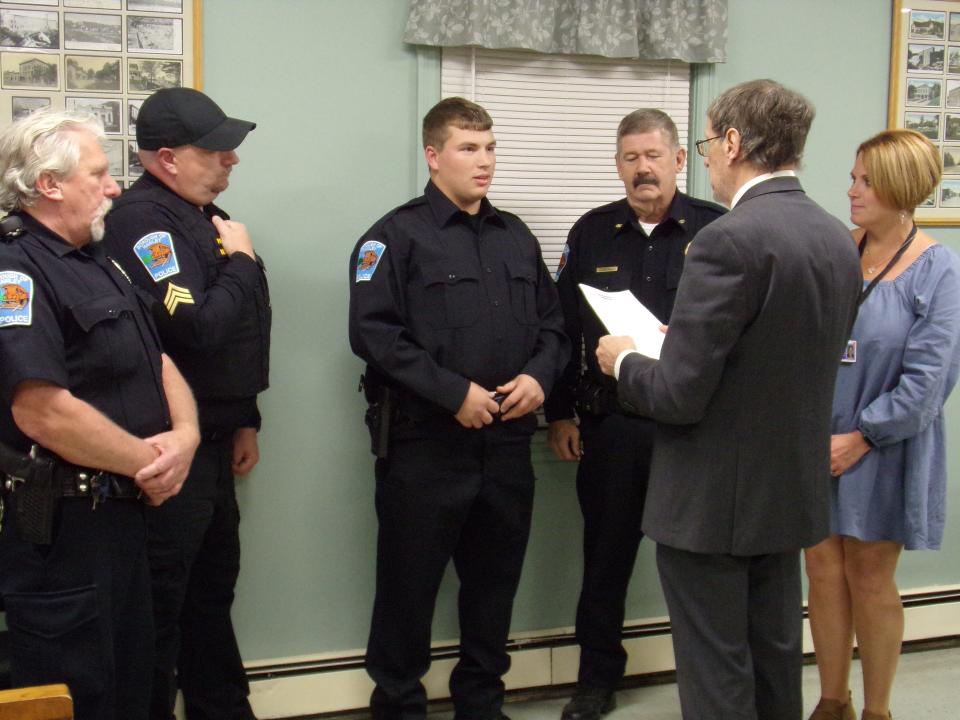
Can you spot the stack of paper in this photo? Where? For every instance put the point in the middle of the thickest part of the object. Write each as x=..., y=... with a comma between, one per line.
x=622, y=314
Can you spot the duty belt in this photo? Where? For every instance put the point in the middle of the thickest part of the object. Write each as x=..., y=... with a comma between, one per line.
x=72, y=481
x=67, y=480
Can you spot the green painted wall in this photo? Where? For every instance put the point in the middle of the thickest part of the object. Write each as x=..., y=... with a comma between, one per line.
x=337, y=96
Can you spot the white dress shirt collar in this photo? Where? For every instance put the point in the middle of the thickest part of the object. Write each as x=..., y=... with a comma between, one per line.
x=757, y=180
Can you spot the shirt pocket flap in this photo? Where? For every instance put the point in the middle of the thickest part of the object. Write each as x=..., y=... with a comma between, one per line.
x=99, y=309
x=447, y=273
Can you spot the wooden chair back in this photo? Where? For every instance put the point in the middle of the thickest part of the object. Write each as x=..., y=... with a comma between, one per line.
x=46, y=702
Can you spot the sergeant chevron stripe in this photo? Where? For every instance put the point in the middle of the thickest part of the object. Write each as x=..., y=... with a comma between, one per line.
x=175, y=296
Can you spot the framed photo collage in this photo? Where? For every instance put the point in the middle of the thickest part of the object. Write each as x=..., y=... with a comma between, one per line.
x=98, y=56
x=925, y=92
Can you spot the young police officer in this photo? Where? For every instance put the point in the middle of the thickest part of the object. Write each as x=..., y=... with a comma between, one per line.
x=93, y=416
x=460, y=326
x=637, y=243
x=213, y=312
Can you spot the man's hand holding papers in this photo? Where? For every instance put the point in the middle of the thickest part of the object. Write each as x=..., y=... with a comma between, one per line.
x=631, y=325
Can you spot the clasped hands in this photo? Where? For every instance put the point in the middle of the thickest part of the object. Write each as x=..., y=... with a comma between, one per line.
x=523, y=395
x=162, y=478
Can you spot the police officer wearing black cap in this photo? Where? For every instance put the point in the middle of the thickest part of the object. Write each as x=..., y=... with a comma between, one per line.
x=213, y=311
x=638, y=244
x=460, y=326
x=94, y=422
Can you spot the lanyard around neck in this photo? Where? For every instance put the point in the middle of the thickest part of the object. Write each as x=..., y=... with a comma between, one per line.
x=897, y=255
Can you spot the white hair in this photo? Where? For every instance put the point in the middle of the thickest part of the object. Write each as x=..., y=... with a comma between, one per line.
x=43, y=142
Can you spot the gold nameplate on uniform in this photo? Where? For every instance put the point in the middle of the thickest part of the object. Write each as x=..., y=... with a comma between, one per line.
x=608, y=268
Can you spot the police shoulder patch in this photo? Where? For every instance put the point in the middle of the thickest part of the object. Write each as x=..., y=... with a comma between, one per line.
x=16, y=298
x=368, y=258
x=563, y=262
x=158, y=255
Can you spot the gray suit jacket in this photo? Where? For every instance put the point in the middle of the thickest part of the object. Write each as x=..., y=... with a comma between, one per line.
x=744, y=385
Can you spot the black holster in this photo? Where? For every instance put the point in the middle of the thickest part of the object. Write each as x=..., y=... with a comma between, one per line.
x=380, y=414
x=596, y=399
x=32, y=478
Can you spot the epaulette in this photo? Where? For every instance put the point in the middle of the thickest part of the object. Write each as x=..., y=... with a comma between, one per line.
x=415, y=202
x=615, y=206
x=409, y=205
x=11, y=227
x=508, y=214
x=706, y=204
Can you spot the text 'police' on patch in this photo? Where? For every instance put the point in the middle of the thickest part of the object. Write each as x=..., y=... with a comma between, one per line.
x=16, y=298
x=157, y=254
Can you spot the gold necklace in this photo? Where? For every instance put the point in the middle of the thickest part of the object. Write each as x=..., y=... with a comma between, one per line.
x=871, y=269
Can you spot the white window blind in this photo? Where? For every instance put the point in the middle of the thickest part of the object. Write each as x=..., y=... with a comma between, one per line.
x=555, y=119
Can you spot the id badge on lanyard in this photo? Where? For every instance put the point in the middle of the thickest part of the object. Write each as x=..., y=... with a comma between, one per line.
x=849, y=353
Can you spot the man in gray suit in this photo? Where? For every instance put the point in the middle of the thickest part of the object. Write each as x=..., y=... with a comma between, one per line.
x=742, y=394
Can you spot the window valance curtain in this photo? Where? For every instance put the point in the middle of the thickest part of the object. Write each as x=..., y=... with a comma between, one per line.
x=694, y=31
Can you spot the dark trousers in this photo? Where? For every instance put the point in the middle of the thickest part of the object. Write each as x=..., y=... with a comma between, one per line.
x=194, y=546
x=736, y=624
x=468, y=496
x=611, y=485
x=78, y=611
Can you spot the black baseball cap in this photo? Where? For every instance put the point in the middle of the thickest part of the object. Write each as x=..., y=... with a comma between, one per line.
x=183, y=116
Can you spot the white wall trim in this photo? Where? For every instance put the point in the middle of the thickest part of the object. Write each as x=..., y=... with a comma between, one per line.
x=337, y=682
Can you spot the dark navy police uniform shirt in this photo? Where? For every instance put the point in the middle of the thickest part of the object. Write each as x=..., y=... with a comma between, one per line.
x=608, y=249
x=213, y=310
x=68, y=316
x=439, y=298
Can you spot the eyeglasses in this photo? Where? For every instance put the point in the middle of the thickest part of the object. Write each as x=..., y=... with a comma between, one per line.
x=700, y=145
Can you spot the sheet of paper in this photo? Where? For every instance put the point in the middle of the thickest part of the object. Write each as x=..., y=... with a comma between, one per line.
x=622, y=314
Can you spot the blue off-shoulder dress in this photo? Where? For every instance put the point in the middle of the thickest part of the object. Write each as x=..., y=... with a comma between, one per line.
x=907, y=360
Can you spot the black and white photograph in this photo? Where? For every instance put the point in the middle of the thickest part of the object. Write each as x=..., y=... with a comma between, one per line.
x=145, y=76
x=951, y=159
x=89, y=72
x=158, y=34
x=172, y=6
x=107, y=111
x=953, y=94
x=134, y=168
x=927, y=24
x=95, y=4
x=925, y=123
x=951, y=128
x=925, y=58
x=133, y=109
x=953, y=60
x=954, y=27
x=23, y=106
x=33, y=2
x=89, y=31
x=931, y=200
x=950, y=193
x=925, y=92
x=29, y=29
x=114, y=151
x=26, y=70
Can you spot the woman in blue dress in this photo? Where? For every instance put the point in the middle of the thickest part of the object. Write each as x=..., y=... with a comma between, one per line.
x=887, y=452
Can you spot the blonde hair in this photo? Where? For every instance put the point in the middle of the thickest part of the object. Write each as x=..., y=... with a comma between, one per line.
x=903, y=167
x=42, y=142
